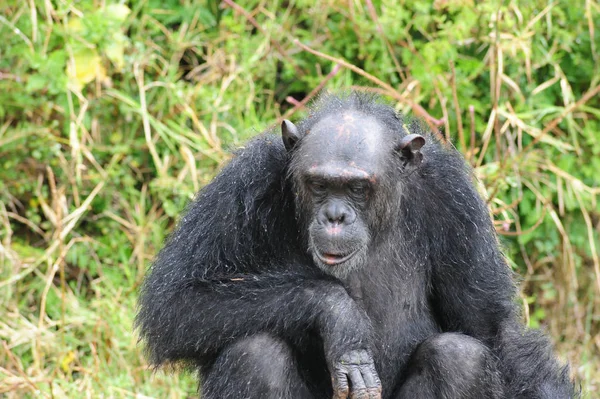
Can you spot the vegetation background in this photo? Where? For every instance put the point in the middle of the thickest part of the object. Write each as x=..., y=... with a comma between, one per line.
x=114, y=113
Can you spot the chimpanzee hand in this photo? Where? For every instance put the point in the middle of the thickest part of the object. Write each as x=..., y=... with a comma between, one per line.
x=354, y=375
x=347, y=336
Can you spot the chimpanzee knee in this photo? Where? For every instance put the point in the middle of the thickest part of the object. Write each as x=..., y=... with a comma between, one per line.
x=260, y=366
x=452, y=365
x=452, y=351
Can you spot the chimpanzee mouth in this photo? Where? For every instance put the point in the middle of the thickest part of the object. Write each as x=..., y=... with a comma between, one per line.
x=331, y=259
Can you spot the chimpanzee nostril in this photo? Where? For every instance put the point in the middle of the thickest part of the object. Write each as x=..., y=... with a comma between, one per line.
x=335, y=213
x=338, y=219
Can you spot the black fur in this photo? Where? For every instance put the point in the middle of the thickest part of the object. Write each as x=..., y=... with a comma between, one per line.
x=236, y=294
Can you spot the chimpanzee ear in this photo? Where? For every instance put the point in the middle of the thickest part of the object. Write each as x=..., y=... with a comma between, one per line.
x=410, y=148
x=289, y=134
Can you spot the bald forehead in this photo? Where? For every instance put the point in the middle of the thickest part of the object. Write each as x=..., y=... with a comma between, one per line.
x=346, y=146
x=346, y=136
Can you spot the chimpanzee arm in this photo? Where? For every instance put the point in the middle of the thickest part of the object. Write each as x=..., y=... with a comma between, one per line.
x=193, y=319
x=472, y=286
x=233, y=267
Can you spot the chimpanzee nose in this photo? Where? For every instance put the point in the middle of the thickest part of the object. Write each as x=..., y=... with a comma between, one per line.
x=336, y=212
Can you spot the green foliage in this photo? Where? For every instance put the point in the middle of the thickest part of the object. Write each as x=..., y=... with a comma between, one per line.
x=111, y=118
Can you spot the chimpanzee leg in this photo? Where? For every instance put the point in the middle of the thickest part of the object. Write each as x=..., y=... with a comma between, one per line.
x=452, y=366
x=260, y=366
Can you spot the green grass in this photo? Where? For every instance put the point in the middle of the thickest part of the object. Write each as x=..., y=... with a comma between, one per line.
x=113, y=116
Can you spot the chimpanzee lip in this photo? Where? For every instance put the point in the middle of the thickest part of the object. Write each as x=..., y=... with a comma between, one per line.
x=332, y=259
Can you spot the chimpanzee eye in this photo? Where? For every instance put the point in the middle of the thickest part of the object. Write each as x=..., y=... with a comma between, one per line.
x=317, y=187
x=358, y=189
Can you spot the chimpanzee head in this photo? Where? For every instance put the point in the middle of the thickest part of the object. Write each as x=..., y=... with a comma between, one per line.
x=346, y=167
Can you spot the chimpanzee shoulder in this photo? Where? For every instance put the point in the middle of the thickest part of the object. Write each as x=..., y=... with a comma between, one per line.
x=234, y=218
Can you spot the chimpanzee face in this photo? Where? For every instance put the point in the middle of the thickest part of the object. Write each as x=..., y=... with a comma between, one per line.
x=341, y=171
x=344, y=171
x=336, y=177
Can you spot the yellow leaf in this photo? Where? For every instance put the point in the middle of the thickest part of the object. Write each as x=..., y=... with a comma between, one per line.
x=65, y=363
x=75, y=25
x=84, y=66
x=117, y=11
x=115, y=49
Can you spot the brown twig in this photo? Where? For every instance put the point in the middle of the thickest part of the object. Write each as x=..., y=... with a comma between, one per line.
x=309, y=96
x=443, y=101
x=417, y=109
x=459, y=123
x=471, y=153
x=390, y=49
x=274, y=42
x=586, y=97
x=292, y=101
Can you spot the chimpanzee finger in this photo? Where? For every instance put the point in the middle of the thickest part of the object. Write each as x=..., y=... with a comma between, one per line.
x=374, y=393
x=372, y=381
x=358, y=388
x=340, y=385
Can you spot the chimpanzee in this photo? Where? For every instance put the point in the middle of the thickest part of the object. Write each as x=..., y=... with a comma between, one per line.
x=352, y=258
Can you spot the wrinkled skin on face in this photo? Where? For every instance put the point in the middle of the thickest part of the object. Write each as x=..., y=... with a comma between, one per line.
x=342, y=186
